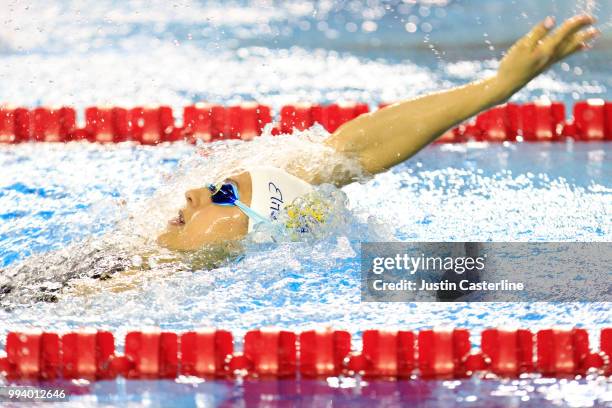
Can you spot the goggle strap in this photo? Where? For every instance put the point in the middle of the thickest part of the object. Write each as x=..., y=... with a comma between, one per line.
x=250, y=213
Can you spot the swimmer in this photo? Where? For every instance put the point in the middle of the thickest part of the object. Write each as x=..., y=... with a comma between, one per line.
x=227, y=211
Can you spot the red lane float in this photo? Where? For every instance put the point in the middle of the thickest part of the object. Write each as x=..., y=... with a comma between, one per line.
x=608, y=110
x=442, y=353
x=388, y=354
x=151, y=354
x=87, y=354
x=218, y=122
x=245, y=121
x=209, y=122
x=322, y=353
x=542, y=121
x=562, y=352
x=105, y=125
x=52, y=124
x=303, y=116
x=534, y=122
x=32, y=355
x=152, y=125
x=272, y=353
x=197, y=121
x=531, y=122
x=7, y=125
x=515, y=120
x=605, y=347
x=297, y=117
x=590, y=120
x=331, y=117
x=509, y=352
x=495, y=124
x=204, y=353
x=46, y=125
x=22, y=125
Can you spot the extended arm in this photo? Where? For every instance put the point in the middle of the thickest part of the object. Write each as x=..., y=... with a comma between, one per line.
x=391, y=135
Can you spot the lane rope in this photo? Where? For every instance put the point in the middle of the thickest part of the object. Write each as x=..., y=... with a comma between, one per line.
x=591, y=120
x=313, y=354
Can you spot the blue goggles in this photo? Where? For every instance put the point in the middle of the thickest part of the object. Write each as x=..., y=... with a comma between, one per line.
x=226, y=194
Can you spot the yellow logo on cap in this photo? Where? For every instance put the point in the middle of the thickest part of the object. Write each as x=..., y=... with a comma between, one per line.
x=303, y=214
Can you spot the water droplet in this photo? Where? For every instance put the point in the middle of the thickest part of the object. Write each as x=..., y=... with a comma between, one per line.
x=369, y=26
x=411, y=27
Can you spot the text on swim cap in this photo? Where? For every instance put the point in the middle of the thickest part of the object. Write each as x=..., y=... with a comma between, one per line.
x=276, y=199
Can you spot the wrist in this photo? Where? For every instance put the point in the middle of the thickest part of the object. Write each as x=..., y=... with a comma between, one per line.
x=498, y=90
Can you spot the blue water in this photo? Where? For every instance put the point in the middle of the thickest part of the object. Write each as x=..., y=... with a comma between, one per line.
x=112, y=52
x=56, y=197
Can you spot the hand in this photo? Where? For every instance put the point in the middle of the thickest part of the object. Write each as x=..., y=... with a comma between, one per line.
x=538, y=50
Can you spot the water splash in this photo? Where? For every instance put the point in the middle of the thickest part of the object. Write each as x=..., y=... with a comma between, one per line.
x=130, y=247
x=589, y=7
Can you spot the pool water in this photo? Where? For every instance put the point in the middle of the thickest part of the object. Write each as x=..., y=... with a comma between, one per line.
x=189, y=392
x=63, y=203
x=518, y=192
x=174, y=53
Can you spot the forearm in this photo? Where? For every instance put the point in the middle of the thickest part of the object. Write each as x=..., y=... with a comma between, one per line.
x=391, y=135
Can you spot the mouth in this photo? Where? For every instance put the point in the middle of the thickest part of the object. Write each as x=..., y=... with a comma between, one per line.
x=180, y=220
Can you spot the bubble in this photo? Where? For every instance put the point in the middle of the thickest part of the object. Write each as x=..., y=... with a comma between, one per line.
x=410, y=27
x=424, y=11
x=351, y=27
x=369, y=26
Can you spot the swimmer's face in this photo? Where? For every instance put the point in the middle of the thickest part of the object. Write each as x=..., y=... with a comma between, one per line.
x=201, y=222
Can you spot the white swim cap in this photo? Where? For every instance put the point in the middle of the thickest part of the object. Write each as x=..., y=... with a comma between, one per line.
x=273, y=189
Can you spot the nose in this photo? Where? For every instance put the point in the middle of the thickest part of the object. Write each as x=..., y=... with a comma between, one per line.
x=197, y=197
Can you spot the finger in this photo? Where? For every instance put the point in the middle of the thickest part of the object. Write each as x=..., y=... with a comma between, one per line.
x=567, y=29
x=538, y=32
x=579, y=42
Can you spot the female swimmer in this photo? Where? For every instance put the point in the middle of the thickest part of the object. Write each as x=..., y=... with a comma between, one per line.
x=228, y=210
